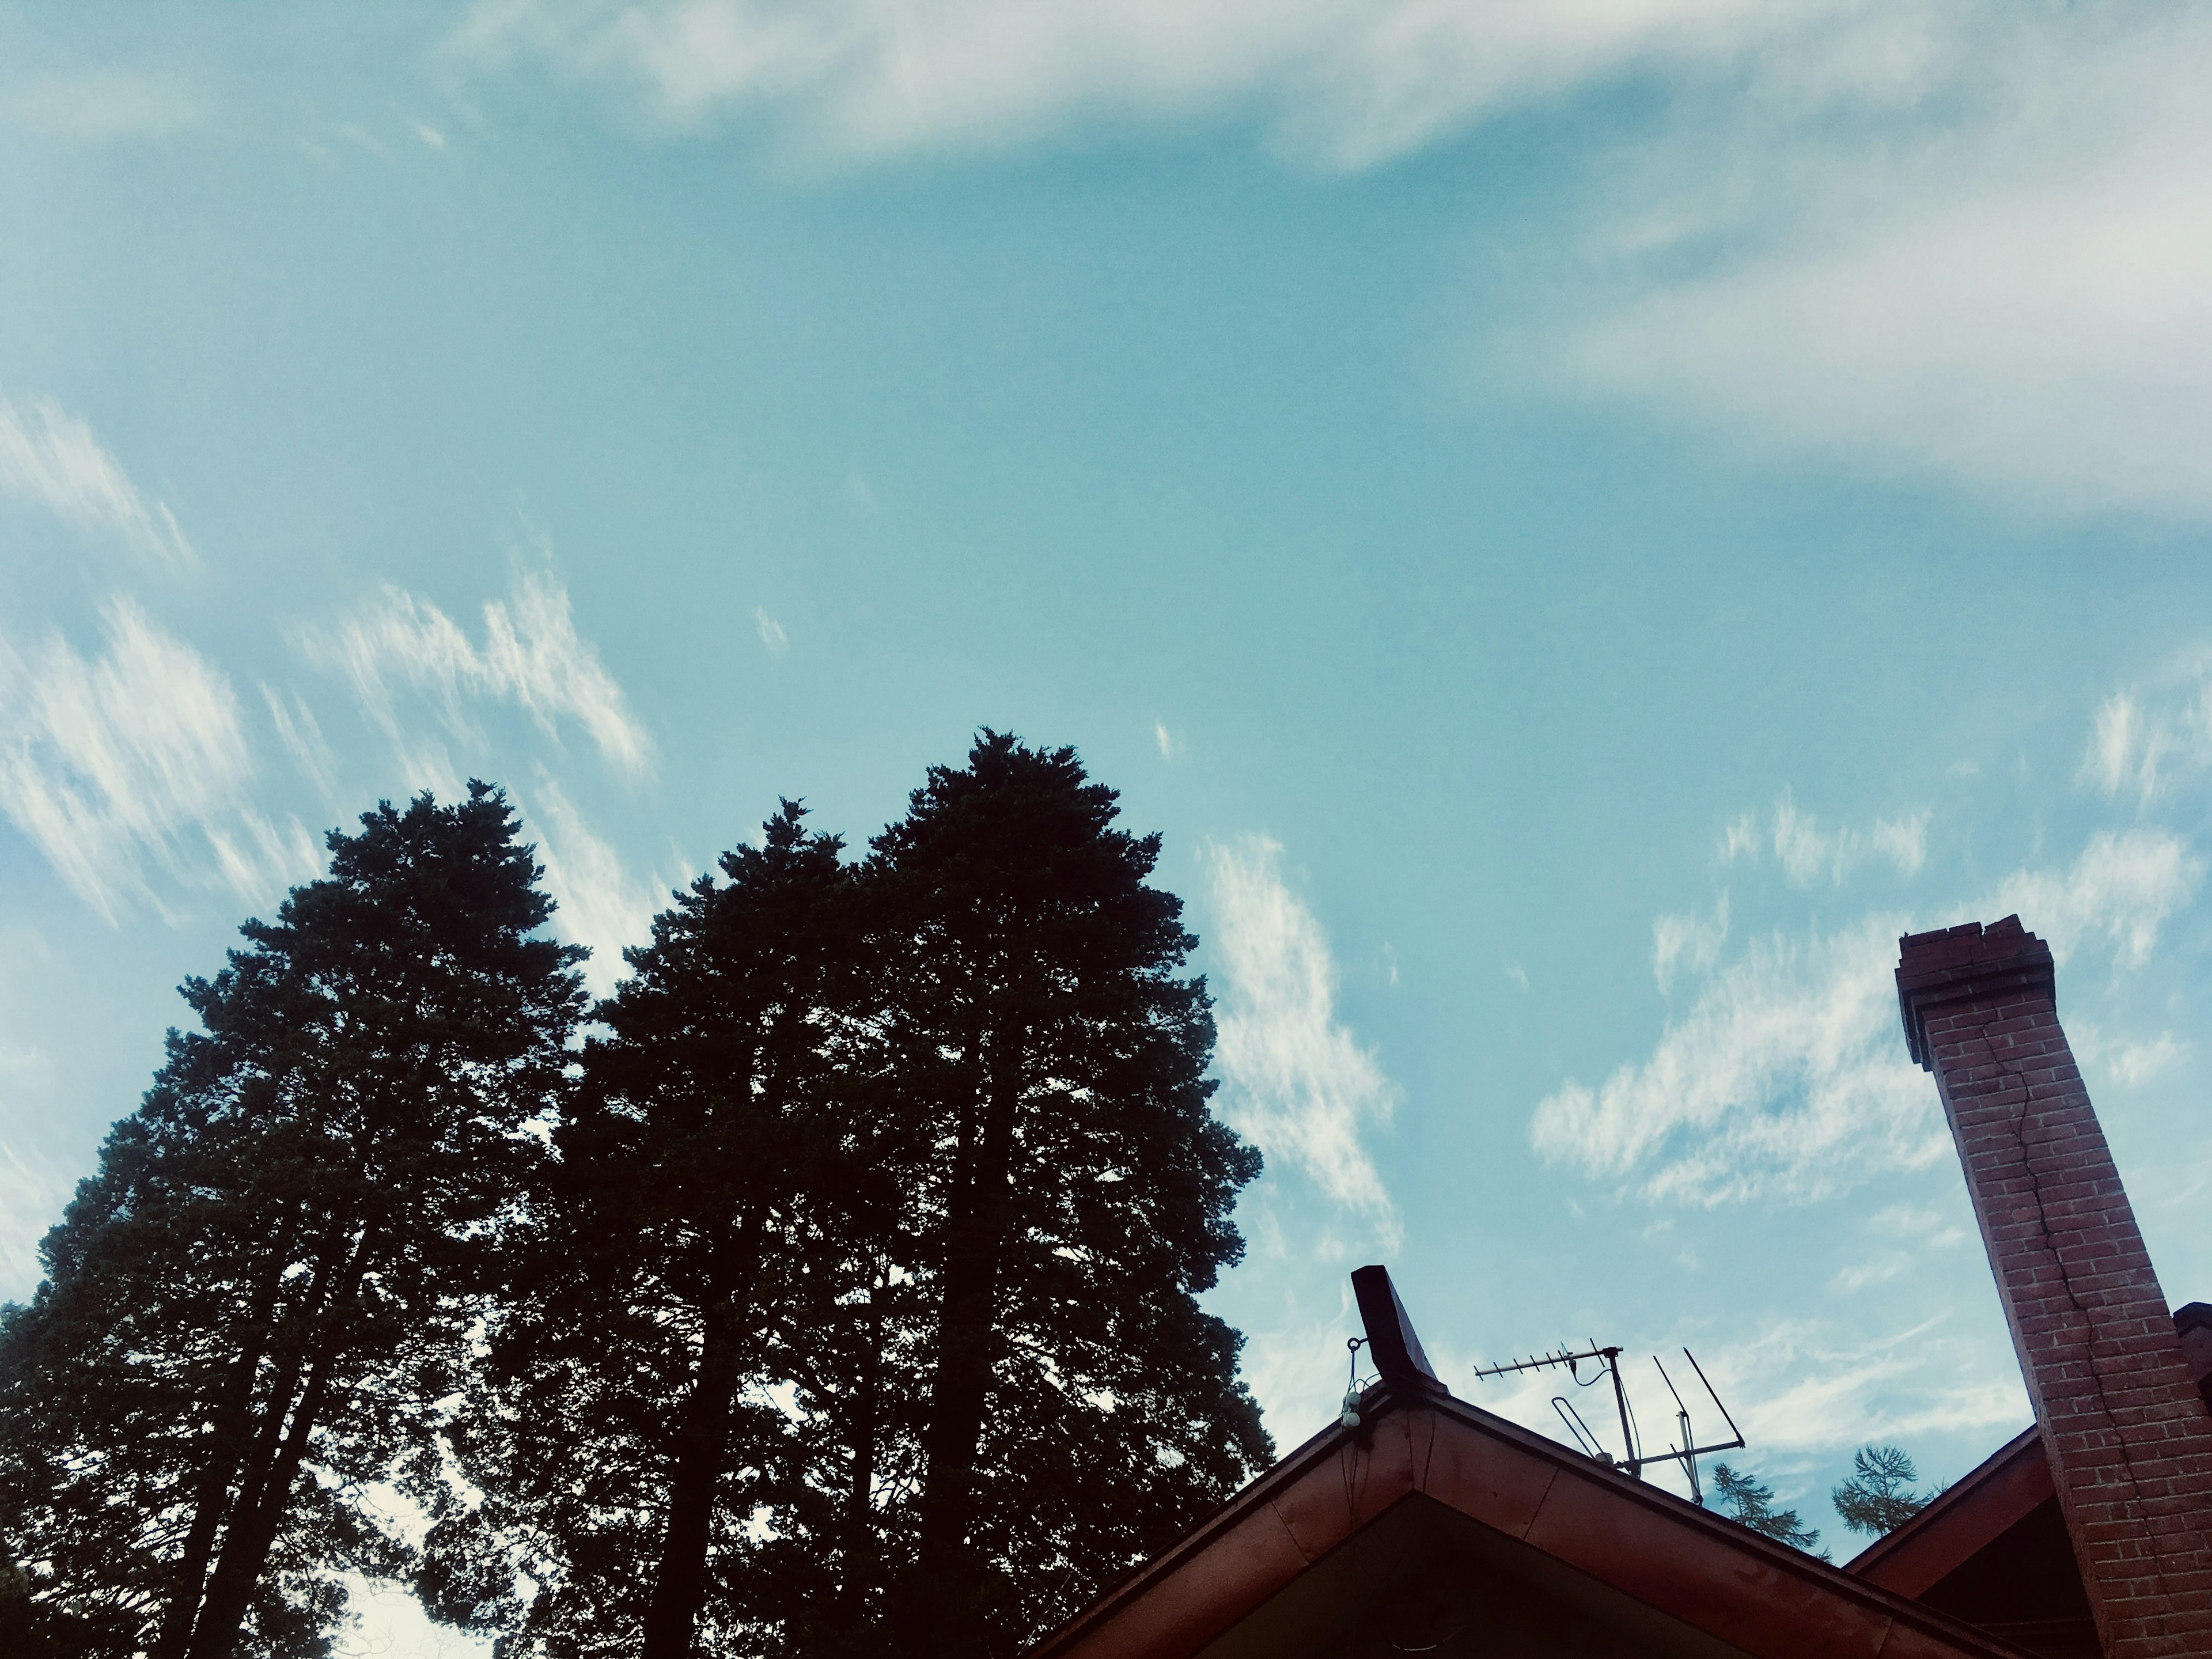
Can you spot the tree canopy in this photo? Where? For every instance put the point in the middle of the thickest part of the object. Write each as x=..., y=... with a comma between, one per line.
x=831, y=1289
x=255, y=1303
x=1878, y=1497
x=1745, y=1498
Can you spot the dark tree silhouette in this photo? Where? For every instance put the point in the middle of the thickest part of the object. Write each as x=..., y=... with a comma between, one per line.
x=1073, y=1200
x=838, y=1300
x=623, y=1437
x=1879, y=1499
x=1752, y=1502
x=253, y=1305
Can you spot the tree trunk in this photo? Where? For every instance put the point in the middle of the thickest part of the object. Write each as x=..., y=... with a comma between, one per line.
x=225, y=1451
x=858, y=1577
x=680, y=1586
x=976, y=1241
x=260, y=1510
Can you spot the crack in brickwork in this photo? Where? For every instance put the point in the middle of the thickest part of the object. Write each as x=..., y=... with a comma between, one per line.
x=2135, y=1479
x=2058, y=1256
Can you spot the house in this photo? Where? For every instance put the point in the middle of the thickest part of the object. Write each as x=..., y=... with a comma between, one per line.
x=1432, y=1526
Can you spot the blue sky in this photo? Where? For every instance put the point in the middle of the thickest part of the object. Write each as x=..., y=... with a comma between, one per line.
x=1578, y=524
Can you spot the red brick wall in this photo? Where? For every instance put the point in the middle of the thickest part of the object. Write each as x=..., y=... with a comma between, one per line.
x=2128, y=1438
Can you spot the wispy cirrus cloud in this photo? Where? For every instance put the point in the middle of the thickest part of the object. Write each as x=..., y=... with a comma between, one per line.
x=1987, y=261
x=133, y=760
x=598, y=902
x=1294, y=1079
x=106, y=105
x=2147, y=741
x=1687, y=942
x=1809, y=1386
x=529, y=654
x=30, y=1194
x=1785, y=1078
x=1904, y=1234
x=50, y=459
x=1967, y=241
x=1809, y=852
x=1341, y=85
x=2121, y=890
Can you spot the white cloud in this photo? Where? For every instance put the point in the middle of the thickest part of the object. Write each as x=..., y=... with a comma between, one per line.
x=1992, y=262
x=1797, y=1387
x=1690, y=942
x=301, y=734
x=531, y=655
x=771, y=631
x=598, y=902
x=106, y=105
x=1908, y=1232
x=362, y=139
x=1969, y=240
x=2148, y=742
x=2136, y=1063
x=1295, y=1081
x=1169, y=745
x=1787, y=1077
x=1295, y=1366
x=32, y=1193
x=1806, y=1387
x=2122, y=887
x=1342, y=84
x=51, y=460
x=2117, y=754
x=1807, y=851
x=1784, y=1078
x=1924, y=1222
x=135, y=760
x=1878, y=1270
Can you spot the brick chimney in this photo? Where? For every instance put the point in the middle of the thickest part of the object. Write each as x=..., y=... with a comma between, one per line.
x=2128, y=1438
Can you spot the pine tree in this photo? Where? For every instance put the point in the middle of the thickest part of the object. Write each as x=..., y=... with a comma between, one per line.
x=1072, y=1201
x=256, y=1301
x=1879, y=1499
x=1752, y=1502
x=630, y=1454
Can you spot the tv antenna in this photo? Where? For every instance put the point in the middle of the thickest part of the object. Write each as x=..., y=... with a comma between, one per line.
x=1404, y=1369
x=1605, y=1362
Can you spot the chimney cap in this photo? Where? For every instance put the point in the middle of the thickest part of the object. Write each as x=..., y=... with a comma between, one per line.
x=1964, y=964
x=1392, y=1343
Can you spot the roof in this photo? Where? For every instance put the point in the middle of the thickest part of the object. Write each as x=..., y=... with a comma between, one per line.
x=1992, y=1548
x=1963, y=1519
x=1427, y=1476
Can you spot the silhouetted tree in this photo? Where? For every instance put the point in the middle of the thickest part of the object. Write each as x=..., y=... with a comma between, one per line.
x=1879, y=1499
x=1752, y=1502
x=254, y=1304
x=1072, y=1198
x=630, y=1452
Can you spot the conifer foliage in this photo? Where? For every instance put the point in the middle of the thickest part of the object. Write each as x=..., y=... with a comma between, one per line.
x=1878, y=1499
x=622, y=1449
x=253, y=1305
x=1751, y=1501
x=837, y=1297
x=1072, y=1199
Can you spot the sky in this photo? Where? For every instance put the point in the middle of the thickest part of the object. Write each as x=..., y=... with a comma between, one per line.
x=1578, y=523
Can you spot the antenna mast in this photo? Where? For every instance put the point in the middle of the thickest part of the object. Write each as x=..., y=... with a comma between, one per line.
x=1607, y=1359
